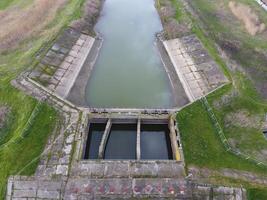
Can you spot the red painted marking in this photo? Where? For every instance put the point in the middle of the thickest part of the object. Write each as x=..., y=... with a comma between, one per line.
x=101, y=189
x=148, y=188
x=112, y=189
x=171, y=190
x=159, y=188
x=125, y=189
x=88, y=189
x=75, y=190
x=136, y=189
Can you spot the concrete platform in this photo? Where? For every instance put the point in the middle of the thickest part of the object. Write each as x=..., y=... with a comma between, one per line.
x=62, y=174
x=21, y=188
x=128, y=169
x=72, y=65
x=197, y=71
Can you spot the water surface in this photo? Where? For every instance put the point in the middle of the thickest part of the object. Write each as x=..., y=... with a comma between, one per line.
x=95, y=134
x=129, y=71
x=155, y=142
x=121, y=142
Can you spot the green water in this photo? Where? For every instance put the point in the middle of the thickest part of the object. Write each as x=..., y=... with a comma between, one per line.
x=129, y=71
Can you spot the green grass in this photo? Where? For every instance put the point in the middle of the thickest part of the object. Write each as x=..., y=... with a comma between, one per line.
x=7, y=3
x=249, y=140
x=248, y=99
x=12, y=63
x=229, y=33
x=16, y=156
x=208, y=29
x=257, y=194
x=202, y=146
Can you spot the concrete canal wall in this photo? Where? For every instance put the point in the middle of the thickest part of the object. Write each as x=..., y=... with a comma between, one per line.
x=72, y=65
x=263, y=4
x=197, y=71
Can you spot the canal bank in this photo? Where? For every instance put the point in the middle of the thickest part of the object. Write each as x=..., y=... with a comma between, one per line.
x=62, y=172
x=179, y=95
x=131, y=69
x=127, y=68
x=77, y=92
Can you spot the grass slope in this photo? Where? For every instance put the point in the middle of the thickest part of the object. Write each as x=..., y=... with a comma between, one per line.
x=247, y=139
x=201, y=144
x=12, y=63
x=257, y=194
x=16, y=156
x=247, y=97
x=4, y=4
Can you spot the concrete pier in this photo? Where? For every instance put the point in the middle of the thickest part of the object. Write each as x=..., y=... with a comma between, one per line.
x=138, y=140
x=104, y=140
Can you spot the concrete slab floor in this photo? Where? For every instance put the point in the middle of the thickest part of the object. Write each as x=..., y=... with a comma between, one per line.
x=198, y=73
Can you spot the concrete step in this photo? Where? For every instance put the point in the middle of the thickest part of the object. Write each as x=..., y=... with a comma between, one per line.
x=129, y=169
x=126, y=188
x=29, y=187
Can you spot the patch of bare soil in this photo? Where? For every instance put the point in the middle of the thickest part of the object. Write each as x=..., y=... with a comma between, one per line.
x=91, y=12
x=242, y=118
x=172, y=28
x=3, y=113
x=226, y=99
x=245, y=14
x=206, y=175
x=18, y=24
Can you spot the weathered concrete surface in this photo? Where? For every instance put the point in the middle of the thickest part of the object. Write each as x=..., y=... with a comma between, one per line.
x=77, y=93
x=126, y=169
x=198, y=73
x=147, y=188
x=62, y=175
x=263, y=4
x=44, y=72
x=21, y=188
x=61, y=65
x=179, y=95
x=73, y=63
x=138, y=140
x=173, y=137
x=104, y=139
x=27, y=188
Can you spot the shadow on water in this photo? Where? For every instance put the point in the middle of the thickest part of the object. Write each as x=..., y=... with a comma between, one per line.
x=155, y=142
x=121, y=142
x=96, y=131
